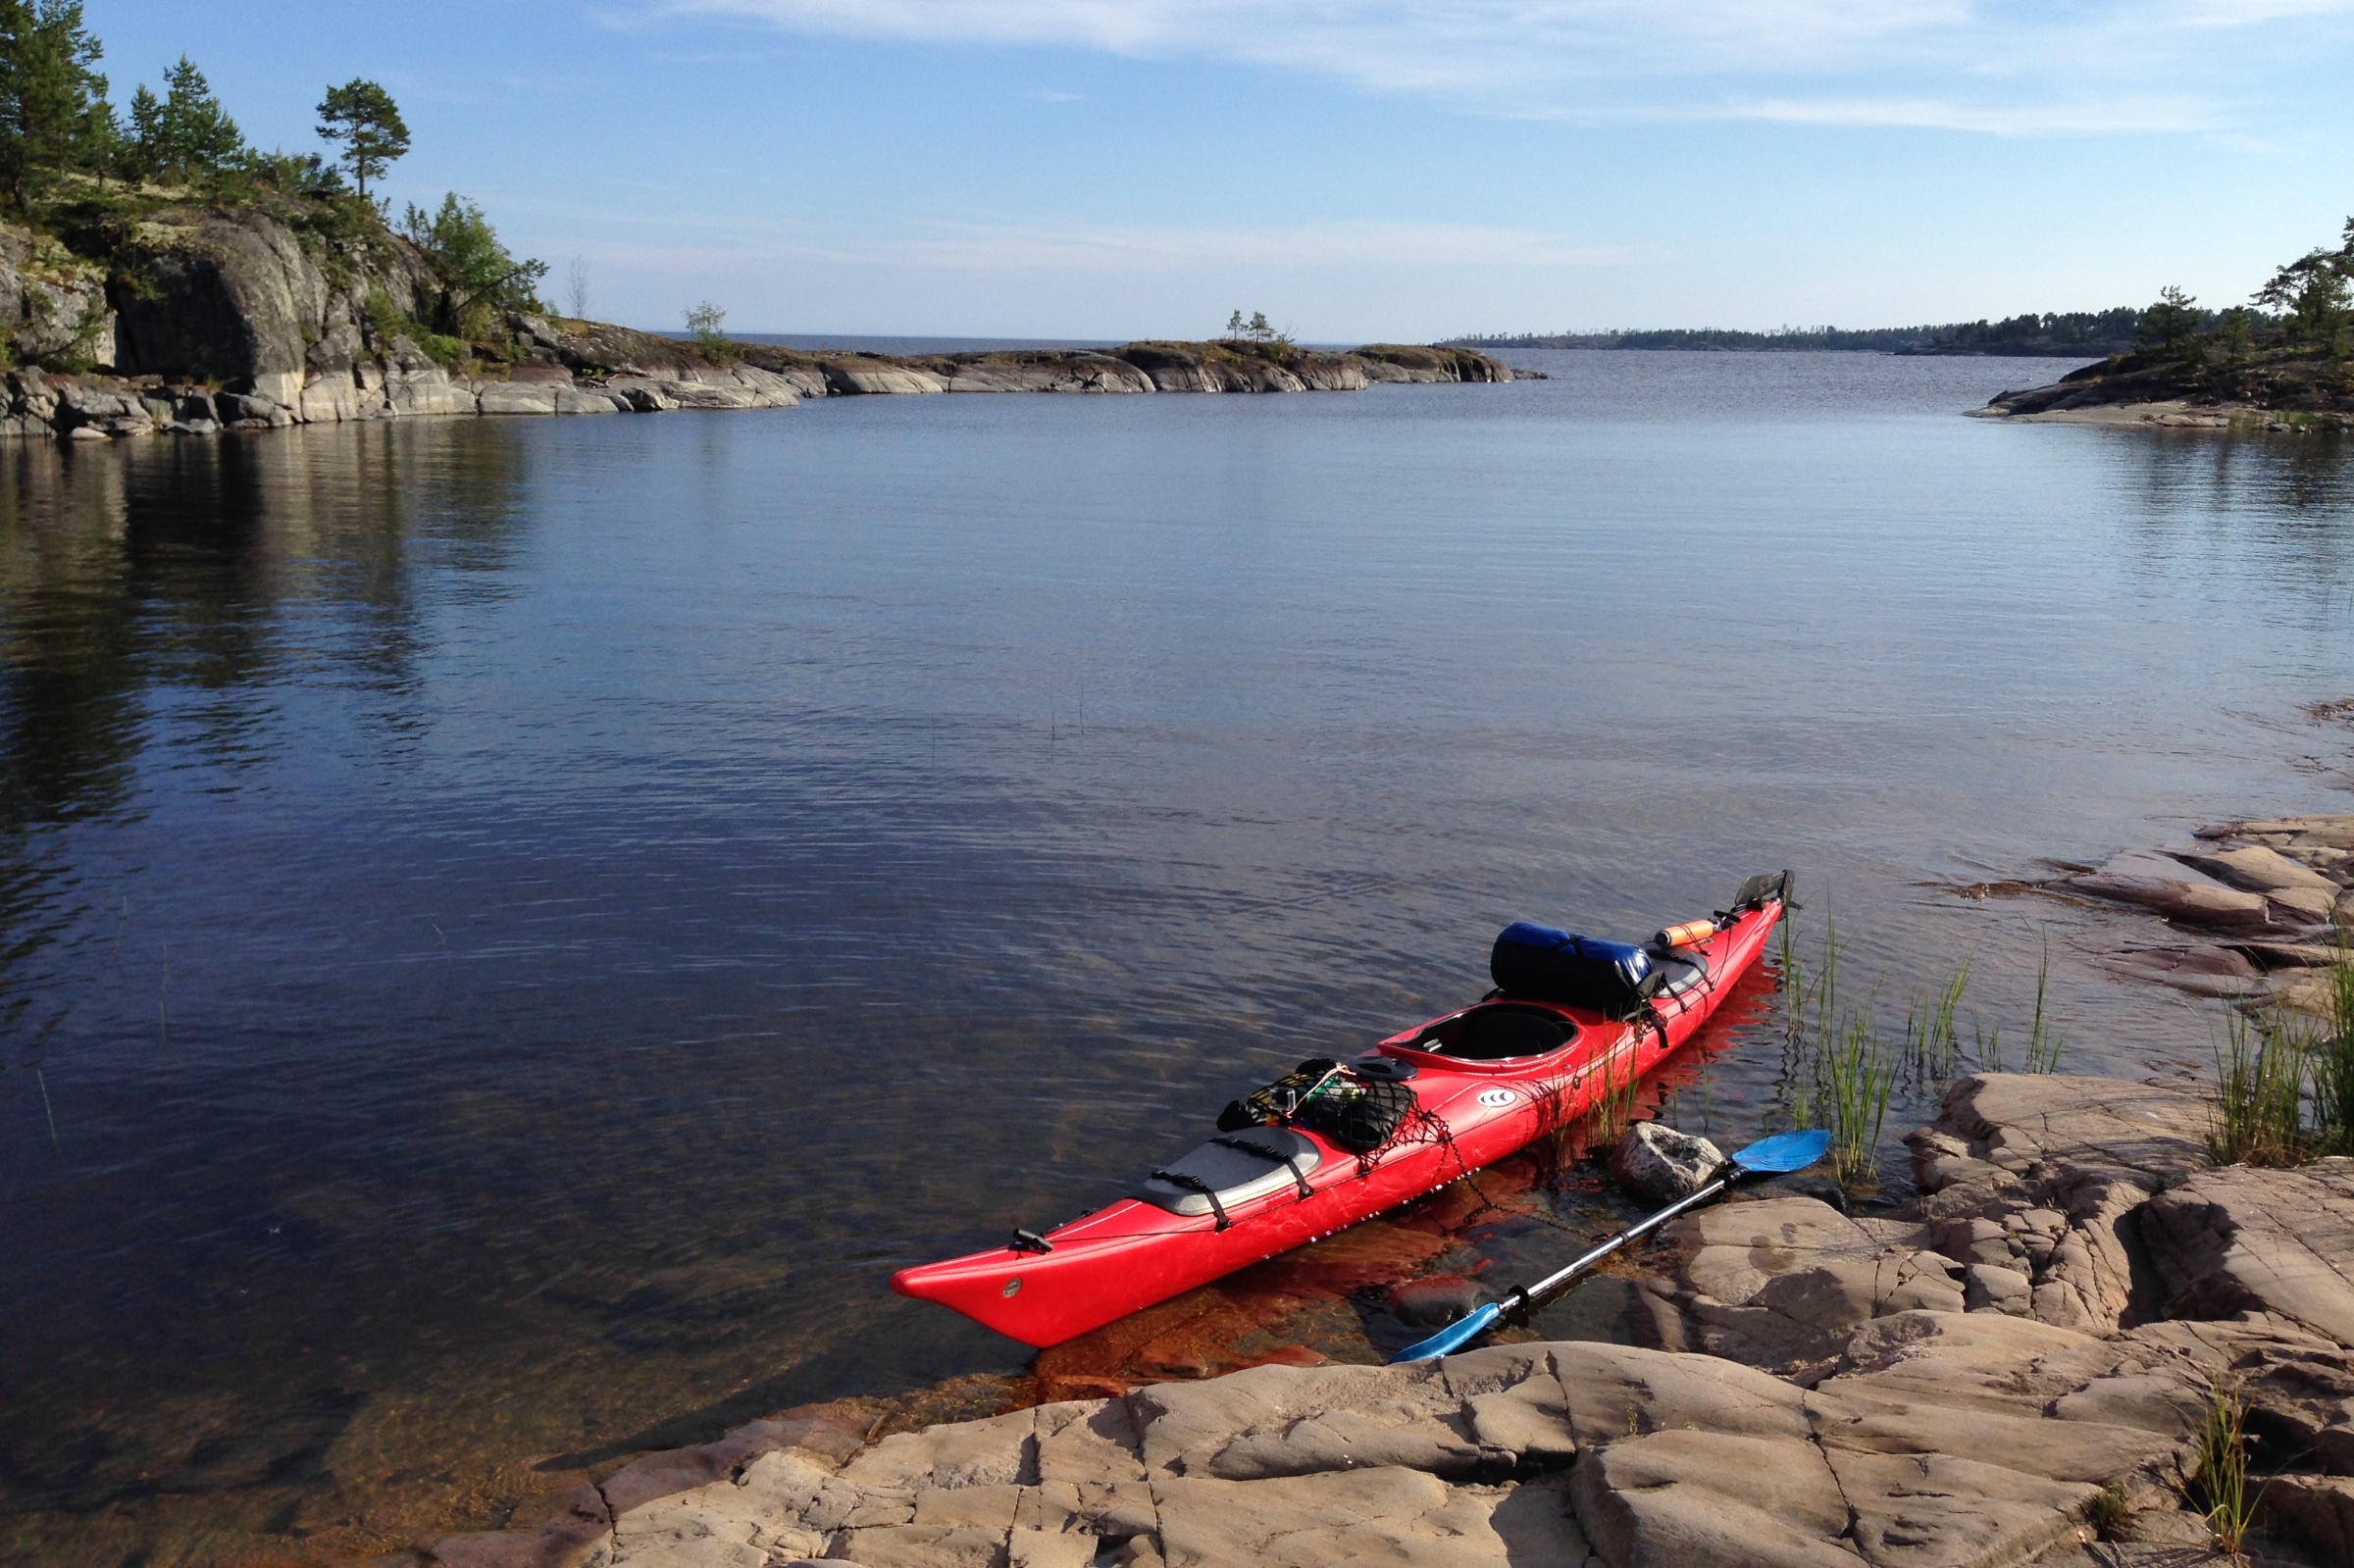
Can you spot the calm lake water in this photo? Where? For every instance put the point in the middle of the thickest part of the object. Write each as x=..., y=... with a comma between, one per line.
x=510, y=930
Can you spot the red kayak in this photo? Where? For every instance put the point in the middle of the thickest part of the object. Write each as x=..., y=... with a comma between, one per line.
x=1465, y=1090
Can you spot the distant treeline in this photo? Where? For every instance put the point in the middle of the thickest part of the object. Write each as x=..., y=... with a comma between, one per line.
x=2084, y=334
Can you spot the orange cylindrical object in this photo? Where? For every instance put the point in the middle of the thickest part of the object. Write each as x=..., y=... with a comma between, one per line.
x=1685, y=934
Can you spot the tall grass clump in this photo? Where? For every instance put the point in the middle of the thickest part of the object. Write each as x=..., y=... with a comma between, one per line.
x=2044, y=1043
x=2332, y=1058
x=1840, y=1070
x=2259, y=1069
x=1932, y=1040
x=1854, y=1074
x=2223, y=1469
x=1614, y=1109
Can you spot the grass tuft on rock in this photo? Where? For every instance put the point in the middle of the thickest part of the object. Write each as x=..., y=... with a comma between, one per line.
x=1840, y=1069
x=2223, y=1469
x=2259, y=1070
x=2332, y=1058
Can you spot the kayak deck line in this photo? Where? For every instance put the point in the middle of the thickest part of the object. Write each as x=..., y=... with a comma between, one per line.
x=1479, y=1084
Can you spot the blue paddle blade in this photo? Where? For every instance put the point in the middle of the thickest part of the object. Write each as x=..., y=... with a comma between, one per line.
x=1784, y=1153
x=1462, y=1332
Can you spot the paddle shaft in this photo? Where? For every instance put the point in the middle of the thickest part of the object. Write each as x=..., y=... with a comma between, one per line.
x=1528, y=1297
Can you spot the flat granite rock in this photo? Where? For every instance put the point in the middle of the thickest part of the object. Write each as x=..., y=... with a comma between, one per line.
x=1935, y=1442
x=1784, y=1281
x=2054, y=1421
x=2166, y=887
x=2242, y=1240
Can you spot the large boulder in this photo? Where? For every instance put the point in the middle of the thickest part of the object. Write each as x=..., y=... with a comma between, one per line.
x=1072, y=371
x=850, y=377
x=2038, y=1176
x=52, y=305
x=1662, y=1166
x=1429, y=362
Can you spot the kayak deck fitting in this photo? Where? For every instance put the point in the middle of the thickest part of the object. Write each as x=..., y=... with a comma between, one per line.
x=1425, y=1107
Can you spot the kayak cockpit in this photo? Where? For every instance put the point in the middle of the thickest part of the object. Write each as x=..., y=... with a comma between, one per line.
x=1496, y=1031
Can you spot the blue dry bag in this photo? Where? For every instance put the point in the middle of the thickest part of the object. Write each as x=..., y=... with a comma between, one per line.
x=1542, y=964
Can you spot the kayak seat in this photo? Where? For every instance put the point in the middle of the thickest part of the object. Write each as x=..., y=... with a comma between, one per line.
x=1235, y=1168
x=1500, y=1031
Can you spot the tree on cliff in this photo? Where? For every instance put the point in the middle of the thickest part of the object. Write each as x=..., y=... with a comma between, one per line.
x=2170, y=326
x=185, y=135
x=478, y=276
x=364, y=117
x=2314, y=289
x=54, y=117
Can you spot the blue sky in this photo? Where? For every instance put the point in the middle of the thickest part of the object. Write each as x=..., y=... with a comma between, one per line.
x=1356, y=168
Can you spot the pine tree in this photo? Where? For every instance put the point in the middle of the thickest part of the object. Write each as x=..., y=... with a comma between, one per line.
x=364, y=117
x=2167, y=327
x=54, y=117
x=477, y=275
x=186, y=134
x=2237, y=338
x=2314, y=291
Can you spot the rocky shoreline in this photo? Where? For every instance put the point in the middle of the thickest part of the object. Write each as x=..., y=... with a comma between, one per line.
x=2280, y=393
x=660, y=377
x=2012, y=1368
x=2252, y=911
x=214, y=321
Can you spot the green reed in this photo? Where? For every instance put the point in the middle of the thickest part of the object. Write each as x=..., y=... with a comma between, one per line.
x=1614, y=1109
x=2223, y=1469
x=2259, y=1070
x=1840, y=1071
x=1853, y=1076
x=2044, y=1043
x=1932, y=1040
x=2332, y=1058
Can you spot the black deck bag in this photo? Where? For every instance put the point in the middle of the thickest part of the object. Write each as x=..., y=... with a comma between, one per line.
x=1537, y=963
x=1359, y=1114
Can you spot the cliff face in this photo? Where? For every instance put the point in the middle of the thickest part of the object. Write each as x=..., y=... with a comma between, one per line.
x=241, y=300
x=204, y=319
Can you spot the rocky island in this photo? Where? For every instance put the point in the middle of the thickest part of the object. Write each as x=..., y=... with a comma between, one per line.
x=2288, y=367
x=165, y=276
x=199, y=320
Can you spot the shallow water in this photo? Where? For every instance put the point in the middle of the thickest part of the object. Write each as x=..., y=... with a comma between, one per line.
x=511, y=930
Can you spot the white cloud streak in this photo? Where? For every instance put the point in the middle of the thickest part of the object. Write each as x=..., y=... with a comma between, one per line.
x=2003, y=66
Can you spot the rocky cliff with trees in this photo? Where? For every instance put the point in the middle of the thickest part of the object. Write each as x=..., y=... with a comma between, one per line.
x=159, y=273
x=2286, y=357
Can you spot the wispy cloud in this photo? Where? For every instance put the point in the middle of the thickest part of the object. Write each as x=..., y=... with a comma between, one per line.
x=1930, y=114
x=1996, y=66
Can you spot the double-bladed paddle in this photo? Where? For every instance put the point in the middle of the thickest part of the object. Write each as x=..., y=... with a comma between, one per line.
x=1770, y=1157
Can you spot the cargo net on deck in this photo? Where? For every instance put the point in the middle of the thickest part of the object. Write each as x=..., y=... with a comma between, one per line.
x=1360, y=1107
